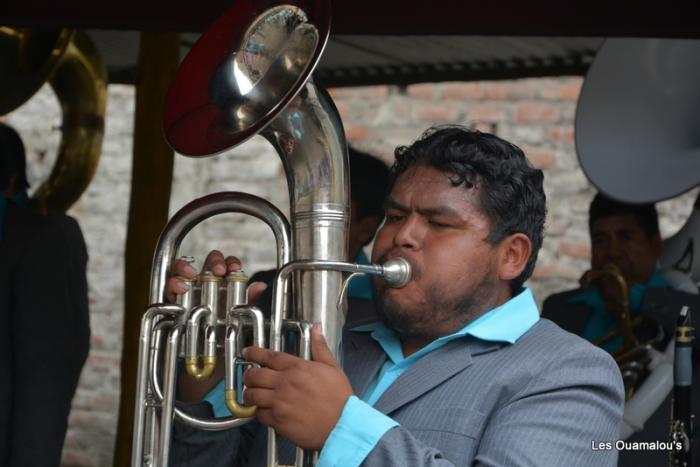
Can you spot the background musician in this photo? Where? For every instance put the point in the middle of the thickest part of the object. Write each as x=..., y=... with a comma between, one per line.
x=44, y=321
x=626, y=235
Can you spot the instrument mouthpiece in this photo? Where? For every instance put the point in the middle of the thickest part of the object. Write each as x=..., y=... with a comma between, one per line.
x=397, y=272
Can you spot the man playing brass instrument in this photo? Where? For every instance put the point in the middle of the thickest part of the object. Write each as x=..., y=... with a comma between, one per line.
x=625, y=247
x=459, y=369
x=44, y=317
x=626, y=237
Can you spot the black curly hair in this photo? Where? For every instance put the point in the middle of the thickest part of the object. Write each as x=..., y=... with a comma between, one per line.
x=510, y=193
x=604, y=206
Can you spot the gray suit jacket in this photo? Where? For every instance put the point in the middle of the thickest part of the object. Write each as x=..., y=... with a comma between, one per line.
x=540, y=402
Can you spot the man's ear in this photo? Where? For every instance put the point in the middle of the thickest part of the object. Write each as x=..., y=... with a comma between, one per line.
x=514, y=253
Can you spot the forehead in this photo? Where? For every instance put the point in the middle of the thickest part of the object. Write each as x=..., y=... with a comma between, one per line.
x=424, y=186
x=616, y=223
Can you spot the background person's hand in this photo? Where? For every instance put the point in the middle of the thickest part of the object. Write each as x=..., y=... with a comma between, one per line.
x=613, y=295
x=609, y=288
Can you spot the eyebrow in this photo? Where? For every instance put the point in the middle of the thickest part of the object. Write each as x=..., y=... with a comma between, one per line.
x=614, y=231
x=391, y=203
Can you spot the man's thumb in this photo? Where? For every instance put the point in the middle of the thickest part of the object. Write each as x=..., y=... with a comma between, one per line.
x=319, y=348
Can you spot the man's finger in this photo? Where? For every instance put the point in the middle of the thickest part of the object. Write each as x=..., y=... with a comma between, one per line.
x=183, y=268
x=255, y=291
x=264, y=378
x=261, y=397
x=233, y=264
x=265, y=417
x=269, y=358
x=319, y=348
x=215, y=263
x=174, y=286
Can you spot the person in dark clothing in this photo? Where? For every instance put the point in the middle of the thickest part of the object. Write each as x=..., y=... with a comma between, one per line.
x=44, y=322
x=626, y=236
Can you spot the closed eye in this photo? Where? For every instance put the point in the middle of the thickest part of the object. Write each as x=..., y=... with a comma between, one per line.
x=439, y=224
x=394, y=218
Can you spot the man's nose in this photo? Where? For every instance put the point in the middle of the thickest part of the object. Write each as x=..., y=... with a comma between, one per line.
x=614, y=248
x=410, y=234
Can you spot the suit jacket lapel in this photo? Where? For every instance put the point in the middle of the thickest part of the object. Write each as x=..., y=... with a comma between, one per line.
x=432, y=370
x=362, y=360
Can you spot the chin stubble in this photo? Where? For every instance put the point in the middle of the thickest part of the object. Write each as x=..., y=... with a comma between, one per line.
x=437, y=316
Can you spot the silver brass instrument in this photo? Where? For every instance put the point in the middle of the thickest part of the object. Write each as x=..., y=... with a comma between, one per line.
x=240, y=80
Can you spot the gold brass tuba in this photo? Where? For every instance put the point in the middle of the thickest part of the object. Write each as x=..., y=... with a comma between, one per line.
x=239, y=80
x=72, y=65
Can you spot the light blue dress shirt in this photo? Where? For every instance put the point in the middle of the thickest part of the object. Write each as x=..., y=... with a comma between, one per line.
x=360, y=426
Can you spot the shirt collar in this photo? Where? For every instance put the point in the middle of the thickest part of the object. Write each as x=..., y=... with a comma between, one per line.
x=505, y=323
x=592, y=298
x=600, y=321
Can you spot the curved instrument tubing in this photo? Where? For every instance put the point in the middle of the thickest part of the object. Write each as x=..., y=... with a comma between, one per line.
x=72, y=65
x=28, y=58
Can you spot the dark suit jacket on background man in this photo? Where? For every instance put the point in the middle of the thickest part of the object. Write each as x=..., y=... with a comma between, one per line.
x=44, y=333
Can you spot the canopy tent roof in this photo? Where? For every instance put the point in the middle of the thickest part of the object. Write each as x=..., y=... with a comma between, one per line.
x=356, y=60
x=384, y=17
x=388, y=41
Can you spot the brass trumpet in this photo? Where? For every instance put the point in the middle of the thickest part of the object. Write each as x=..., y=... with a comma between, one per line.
x=625, y=323
x=634, y=357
